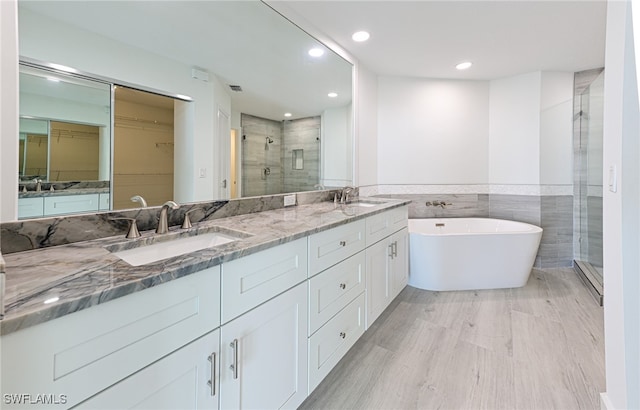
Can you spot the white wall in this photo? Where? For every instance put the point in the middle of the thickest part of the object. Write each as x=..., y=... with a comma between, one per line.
x=337, y=147
x=556, y=129
x=620, y=220
x=514, y=144
x=8, y=110
x=102, y=56
x=366, y=127
x=432, y=131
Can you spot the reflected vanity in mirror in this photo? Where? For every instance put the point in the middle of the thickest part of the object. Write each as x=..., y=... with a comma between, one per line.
x=260, y=69
x=64, y=144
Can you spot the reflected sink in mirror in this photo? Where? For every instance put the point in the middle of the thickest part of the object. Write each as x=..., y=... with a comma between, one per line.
x=155, y=248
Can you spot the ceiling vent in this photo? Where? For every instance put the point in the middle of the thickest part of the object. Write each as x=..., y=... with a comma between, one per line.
x=236, y=88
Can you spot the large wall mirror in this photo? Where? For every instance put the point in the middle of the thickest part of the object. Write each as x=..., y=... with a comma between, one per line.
x=266, y=115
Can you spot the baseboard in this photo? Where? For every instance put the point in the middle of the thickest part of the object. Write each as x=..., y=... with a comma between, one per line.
x=605, y=403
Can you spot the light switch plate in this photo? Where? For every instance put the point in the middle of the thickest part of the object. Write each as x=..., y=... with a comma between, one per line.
x=290, y=200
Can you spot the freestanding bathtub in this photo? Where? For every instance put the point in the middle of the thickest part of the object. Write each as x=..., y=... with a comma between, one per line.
x=471, y=253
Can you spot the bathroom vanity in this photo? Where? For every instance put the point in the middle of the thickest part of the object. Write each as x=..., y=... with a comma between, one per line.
x=256, y=322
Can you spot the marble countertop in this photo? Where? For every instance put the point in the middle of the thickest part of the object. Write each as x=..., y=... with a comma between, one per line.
x=48, y=283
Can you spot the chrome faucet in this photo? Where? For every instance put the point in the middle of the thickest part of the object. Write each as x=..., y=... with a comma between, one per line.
x=38, y=182
x=138, y=198
x=163, y=225
x=344, y=196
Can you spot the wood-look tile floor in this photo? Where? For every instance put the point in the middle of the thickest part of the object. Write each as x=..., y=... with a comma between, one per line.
x=536, y=347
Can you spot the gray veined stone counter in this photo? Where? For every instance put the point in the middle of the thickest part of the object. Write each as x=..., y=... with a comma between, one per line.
x=47, y=283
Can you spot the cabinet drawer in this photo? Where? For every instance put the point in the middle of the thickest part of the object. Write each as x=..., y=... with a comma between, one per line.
x=58, y=205
x=384, y=224
x=254, y=279
x=330, y=247
x=333, y=289
x=329, y=344
x=83, y=353
x=30, y=207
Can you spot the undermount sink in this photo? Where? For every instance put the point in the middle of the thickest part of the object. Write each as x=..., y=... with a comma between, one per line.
x=364, y=203
x=157, y=248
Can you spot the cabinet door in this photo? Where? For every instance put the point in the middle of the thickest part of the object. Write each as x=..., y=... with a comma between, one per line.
x=378, y=279
x=263, y=355
x=185, y=379
x=30, y=207
x=399, y=261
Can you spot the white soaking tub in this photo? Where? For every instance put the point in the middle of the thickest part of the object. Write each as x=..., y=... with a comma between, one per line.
x=471, y=253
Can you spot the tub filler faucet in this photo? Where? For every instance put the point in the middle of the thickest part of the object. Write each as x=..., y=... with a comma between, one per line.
x=441, y=204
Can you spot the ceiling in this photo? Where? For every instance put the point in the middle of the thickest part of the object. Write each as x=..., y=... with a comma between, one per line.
x=428, y=38
x=243, y=43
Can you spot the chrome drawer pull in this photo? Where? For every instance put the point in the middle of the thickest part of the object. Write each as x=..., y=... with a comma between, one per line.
x=234, y=366
x=343, y=335
x=343, y=286
x=343, y=243
x=212, y=382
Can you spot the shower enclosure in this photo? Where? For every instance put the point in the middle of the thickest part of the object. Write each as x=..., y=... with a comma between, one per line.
x=588, y=166
x=279, y=156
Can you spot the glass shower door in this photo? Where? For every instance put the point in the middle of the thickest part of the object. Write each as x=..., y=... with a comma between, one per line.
x=589, y=255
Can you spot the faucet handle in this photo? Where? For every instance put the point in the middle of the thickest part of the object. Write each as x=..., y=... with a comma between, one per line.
x=133, y=227
x=186, y=223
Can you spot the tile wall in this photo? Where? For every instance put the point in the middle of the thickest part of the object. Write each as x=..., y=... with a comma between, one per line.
x=267, y=167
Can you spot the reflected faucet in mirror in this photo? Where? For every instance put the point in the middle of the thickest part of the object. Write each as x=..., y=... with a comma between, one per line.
x=140, y=200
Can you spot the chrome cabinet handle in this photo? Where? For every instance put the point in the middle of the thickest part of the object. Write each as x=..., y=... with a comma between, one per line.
x=395, y=248
x=343, y=286
x=343, y=335
x=391, y=251
x=212, y=382
x=234, y=366
x=343, y=243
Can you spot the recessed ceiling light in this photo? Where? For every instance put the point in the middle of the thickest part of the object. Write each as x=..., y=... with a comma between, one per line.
x=287, y=114
x=332, y=95
x=316, y=52
x=464, y=66
x=62, y=68
x=360, y=36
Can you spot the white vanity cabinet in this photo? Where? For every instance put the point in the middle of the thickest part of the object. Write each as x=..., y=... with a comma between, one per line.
x=62, y=204
x=263, y=355
x=70, y=204
x=86, y=352
x=387, y=260
x=185, y=379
